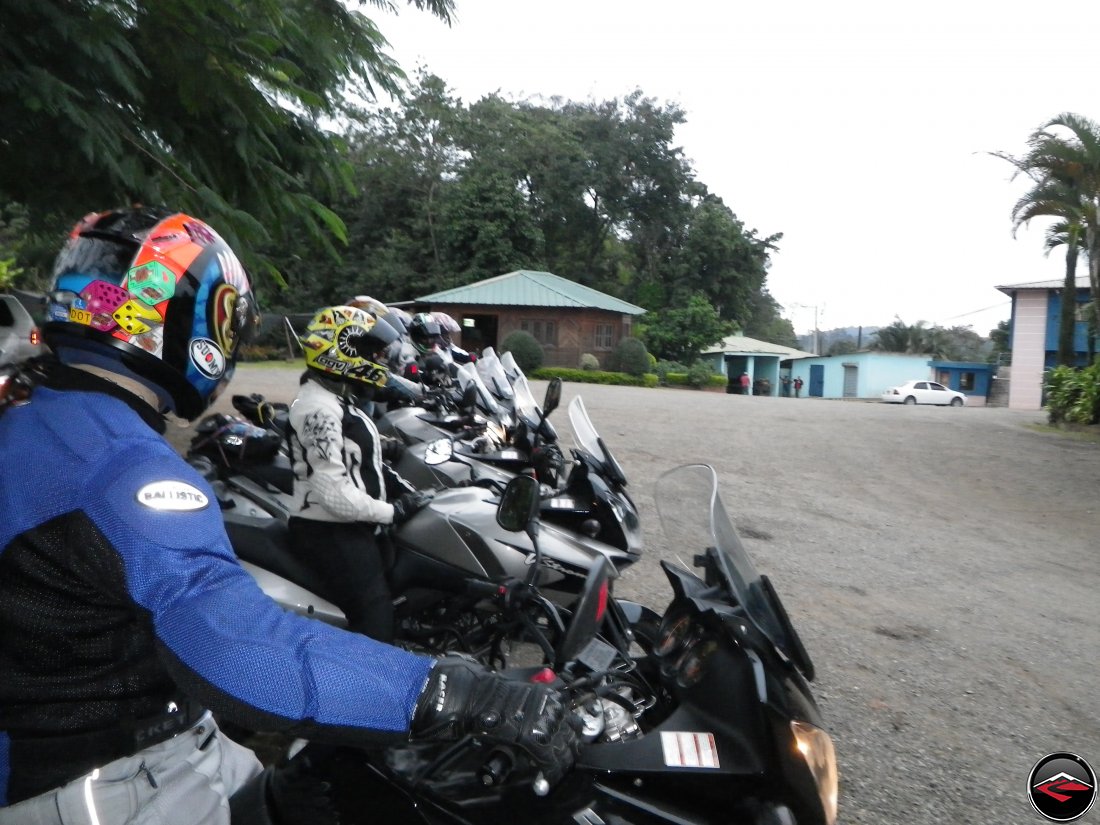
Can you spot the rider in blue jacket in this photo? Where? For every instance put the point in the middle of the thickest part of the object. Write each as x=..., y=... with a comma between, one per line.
x=124, y=615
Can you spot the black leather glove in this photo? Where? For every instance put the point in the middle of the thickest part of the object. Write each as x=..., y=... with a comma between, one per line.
x=406, y=505
x=462, y=697
x=392, y=449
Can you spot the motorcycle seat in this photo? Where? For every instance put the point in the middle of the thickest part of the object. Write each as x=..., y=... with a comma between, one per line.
x=265, y=543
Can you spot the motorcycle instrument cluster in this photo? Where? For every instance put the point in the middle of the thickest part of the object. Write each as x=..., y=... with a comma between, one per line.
x=684, y=647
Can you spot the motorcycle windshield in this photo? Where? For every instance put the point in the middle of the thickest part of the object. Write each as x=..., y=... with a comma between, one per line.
x=467, y=374
x=692, y=518
x=525, y=404
x=511, y=368
x=584, y=431
x=492, y=374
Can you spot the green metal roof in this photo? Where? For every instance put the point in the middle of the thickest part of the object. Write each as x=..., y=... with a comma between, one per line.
x=531, y=289
x=741, y=345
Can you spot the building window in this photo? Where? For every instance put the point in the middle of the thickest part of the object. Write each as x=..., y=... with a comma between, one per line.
x=603, y=337
x=545, y=332
x=966, y=381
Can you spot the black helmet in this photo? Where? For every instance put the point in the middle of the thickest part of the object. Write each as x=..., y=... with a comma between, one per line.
x=424, y=331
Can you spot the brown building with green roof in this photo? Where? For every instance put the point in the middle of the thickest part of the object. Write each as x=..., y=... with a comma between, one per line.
x=565, y=317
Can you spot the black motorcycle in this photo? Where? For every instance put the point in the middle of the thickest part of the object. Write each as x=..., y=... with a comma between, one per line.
x=701, y=715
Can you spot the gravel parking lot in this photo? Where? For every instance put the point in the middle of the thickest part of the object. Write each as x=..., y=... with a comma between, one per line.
x=942, y=566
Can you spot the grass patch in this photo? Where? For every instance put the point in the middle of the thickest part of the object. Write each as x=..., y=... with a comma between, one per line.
x=1077, y=432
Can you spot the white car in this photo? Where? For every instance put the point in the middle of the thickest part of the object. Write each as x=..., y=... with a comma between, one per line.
x=923, y=392
x=19, y=337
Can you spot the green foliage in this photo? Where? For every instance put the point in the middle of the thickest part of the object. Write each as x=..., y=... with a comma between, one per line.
x=998, y=339
x=629, y=356
x=679, y=334
x=663, y=368
x=1063, y=163
x=700, y=374
x=948, y=344
x=1073, y=396
x=595, y=377
x=525, y=349
x=588, y=361
x=687, y=379
x=221, y=109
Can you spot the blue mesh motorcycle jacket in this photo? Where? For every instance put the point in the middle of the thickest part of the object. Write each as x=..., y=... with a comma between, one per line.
x=120, y=594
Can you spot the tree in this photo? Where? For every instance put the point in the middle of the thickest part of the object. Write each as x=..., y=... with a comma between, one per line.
x=1069, y=234
x=725, y=262
x=1063, y=159
x=1054, y=198
x=217, y=108
x=681, y=333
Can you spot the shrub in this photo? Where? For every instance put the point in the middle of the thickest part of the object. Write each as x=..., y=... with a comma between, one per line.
x=680, y=379
x=525, y=349
x=699, y=375
x=663, y=368
x=595, y=377
x=588, y=361
x=630, y=356
x=1073, y=396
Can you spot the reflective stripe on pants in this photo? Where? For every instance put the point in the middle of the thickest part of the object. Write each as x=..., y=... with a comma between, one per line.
x=186, y=780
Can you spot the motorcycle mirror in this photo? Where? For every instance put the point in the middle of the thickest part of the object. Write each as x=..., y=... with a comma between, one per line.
x=553, y=396
x=439, y=451
x=519, y=504
x=587, y=615
x=469, y=397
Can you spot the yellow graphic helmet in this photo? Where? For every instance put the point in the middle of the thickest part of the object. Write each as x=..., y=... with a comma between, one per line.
x=347, y=342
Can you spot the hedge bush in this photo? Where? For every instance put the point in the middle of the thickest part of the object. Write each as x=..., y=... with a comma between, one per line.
x=1073, y=396
x=525, y=349
x=588, y=361
x=682, y=379
x=595, y=377
x=629, y=356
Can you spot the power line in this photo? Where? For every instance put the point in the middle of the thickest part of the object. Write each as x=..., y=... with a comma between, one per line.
x=976, y=311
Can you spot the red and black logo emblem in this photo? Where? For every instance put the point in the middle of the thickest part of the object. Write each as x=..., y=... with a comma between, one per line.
x=1062, y=787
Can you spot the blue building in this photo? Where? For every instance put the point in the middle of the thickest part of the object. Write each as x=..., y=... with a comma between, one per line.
x=1033, y=336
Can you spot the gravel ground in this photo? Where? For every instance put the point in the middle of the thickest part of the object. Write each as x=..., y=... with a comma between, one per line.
x=942, y=566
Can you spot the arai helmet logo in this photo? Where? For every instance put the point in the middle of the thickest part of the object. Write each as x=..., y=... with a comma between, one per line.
x=207, y=357
x=172, y=496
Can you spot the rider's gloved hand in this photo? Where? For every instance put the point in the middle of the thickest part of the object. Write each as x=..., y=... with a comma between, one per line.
x=406, y=505
x=462, y=697
x=392, y=449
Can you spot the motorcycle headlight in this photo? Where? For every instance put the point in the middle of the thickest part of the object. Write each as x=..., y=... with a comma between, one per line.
x=817, y=749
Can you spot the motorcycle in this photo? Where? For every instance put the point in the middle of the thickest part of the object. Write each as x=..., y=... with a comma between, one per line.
x=450, y=569
x=703, y=714
x=590, y=500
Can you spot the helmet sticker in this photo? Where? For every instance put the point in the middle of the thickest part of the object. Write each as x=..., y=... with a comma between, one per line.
x=172, y=496
x=136, y=318
x=151, y=282
x=346, y=339
x=151, y=341
x=207, y=358
x=232, y=270
x=223, y=320
x=101, y=300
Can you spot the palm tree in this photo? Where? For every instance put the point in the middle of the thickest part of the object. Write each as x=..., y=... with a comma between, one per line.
x=1066, y=171
x=1055, y=198
x=1070, y=234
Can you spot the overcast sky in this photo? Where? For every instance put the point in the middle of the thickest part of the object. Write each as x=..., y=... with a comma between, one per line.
x=858, y=129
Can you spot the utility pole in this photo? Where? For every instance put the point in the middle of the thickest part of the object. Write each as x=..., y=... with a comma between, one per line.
x=817, y=332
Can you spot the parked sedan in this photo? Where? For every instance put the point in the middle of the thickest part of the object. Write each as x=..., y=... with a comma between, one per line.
x=923, y=392
x=19, y=337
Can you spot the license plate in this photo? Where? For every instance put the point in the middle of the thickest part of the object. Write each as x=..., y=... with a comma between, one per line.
x=80, y=316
